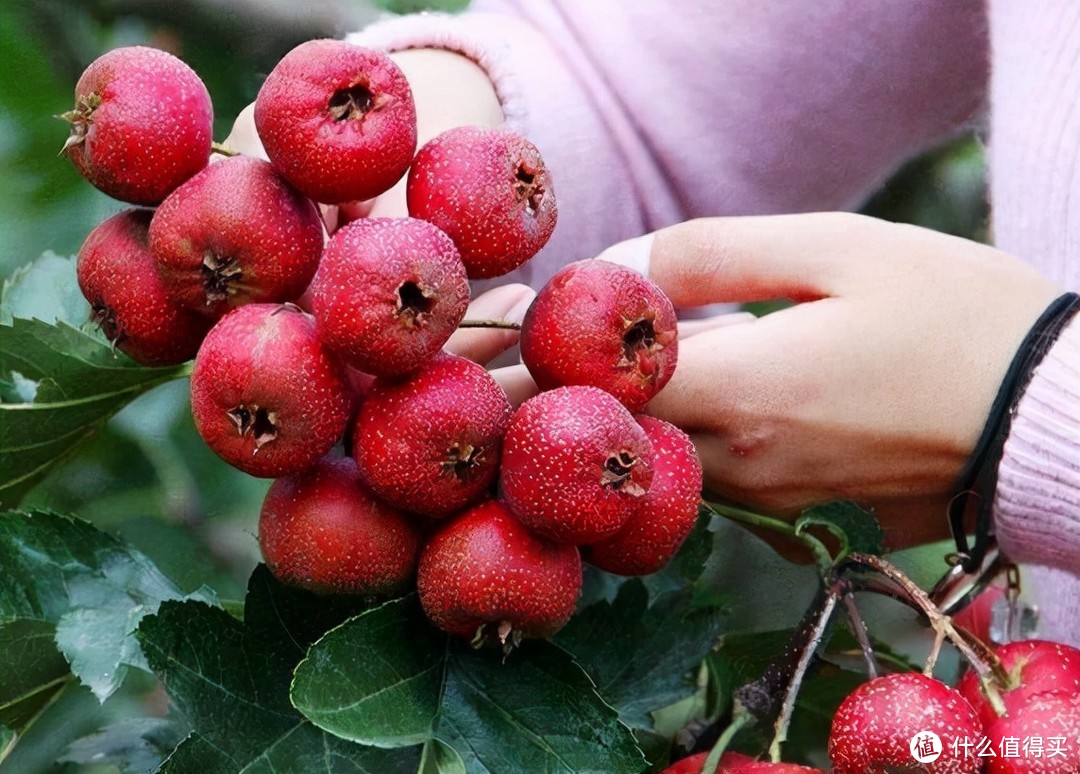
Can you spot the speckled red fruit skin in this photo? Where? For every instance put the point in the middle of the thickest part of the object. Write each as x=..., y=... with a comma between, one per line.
x=605, y=325
x=736, y=763
x=1053, y=718
x=320, y=529
x=266, y=358
x=128, y=300
x=145, y=122
x=388, y=293
x=1036, y=666
x=310, y=137
x=873, y=727
x=664, y=516
x=430, y=444
x=484, y=567
x=490, y=191
x=236, y=233
x=559, y=465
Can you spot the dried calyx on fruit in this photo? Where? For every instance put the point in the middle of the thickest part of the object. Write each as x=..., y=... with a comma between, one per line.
x=266, y=396
x=601, y=324
x=486, y=578
x=337, y=120
x=142, y=124
x=490, y=191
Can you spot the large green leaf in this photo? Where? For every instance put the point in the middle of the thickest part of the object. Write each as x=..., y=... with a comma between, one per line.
x=65, y=581
x=60, y=381
x=230, y=679
x=640, y=653
x=856, y=529
x=533, y=710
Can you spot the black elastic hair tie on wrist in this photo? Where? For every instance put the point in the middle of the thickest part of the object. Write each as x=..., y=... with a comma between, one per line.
x=978, y=479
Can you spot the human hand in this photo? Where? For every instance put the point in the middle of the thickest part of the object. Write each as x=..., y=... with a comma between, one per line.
x=874, y=388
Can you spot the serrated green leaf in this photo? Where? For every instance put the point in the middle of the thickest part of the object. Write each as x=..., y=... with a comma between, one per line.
x=31, y=670
x=83, y=587
x=81, y=382
x=857, y=529
x=536, y=710
x=641, y=653
x=44, y=289
x=230, y=679
x=390, y=697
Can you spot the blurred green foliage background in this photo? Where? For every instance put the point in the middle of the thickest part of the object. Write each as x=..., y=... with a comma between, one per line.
x=148, y=477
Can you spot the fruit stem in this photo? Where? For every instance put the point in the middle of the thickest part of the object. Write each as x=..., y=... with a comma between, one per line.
x=983, y=661
x=223, y=149
x=738, y=722
x=822, y=558
x=858, y=627
x=503, y=324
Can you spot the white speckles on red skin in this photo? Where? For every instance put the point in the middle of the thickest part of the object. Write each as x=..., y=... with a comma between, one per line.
x=573, y=333
x=357, y=305
x=484, y=567
x=117, y=276
x=268, y=355
x=405, y=430
x=663, y=516
x=152, y=129
x=321, y=530
x=242, y=212
x=873, y=727
x=1037, y=666
x=554, y=456
x=1042, y=701
x=466, y=182
x=330, y=159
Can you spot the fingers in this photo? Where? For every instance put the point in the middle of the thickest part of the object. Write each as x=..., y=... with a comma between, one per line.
x=243, y=138
x=688, y=328
x=517, y=383
x=799, y=257
x=507, y=303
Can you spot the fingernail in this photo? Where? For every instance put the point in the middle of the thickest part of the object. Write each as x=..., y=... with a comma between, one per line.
x=632, y=253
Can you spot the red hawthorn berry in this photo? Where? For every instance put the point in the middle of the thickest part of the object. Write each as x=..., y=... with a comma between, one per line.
x=142, y=124
x=486, y=578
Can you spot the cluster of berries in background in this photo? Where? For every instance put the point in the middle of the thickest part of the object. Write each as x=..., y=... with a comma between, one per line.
x=307, y=342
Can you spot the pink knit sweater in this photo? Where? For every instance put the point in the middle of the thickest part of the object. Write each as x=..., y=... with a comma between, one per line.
x=649, y=114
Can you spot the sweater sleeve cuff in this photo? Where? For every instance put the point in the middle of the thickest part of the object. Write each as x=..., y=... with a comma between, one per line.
x=496, y=43
x=1037, y=505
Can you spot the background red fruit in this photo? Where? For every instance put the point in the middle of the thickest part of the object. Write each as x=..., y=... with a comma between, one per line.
x=664, y=516
x=141, y=126
x=388, y=293
x=337, y=120
x=236, y=233
x=265, y=395
x=873, y=727
x=601, y=324
x=431, y=443
x=484, y=576
x=575, y=463
x=490, y=191
x=322, y=530
x=116, y=274
x=1050, y=720
x=1035, y=667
